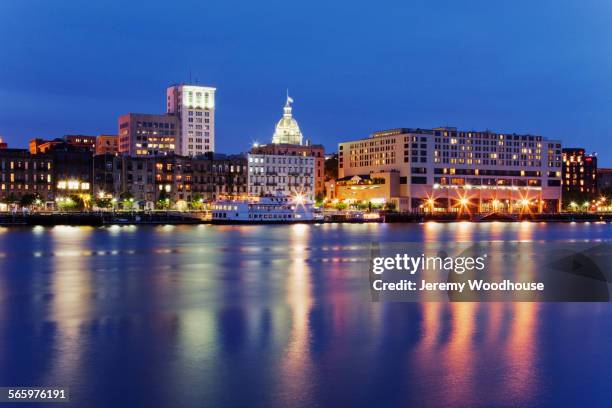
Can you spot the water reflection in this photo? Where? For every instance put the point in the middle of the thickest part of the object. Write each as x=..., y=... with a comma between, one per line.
x=281, y=316
x=296, y=375
x=71, y=299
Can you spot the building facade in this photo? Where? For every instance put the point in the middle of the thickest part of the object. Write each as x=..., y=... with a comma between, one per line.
x=72, y=169
x=143, y=134
x=317, y=152
x=288, y=140
x=604, y=181
x=107, y=144
x=195, y=108
x=181, y=179
x=290, y=175
x=82, y=141
x=445, y=169
x=579, y=175
x=287, y=130
x=22, y=173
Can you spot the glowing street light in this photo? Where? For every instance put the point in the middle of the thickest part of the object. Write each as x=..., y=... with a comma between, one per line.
x=298, y=198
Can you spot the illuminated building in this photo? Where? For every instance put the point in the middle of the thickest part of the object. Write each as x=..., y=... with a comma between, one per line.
x=287, y=140
x=194, y=106
x=289, y=175
x=72, y=169
x=144, y=134
x=439, y=169
x=180, y=178
x=82, y=141
x=287, y=129
x=579, y=175
x=107, y=144
x=38, y=146
x=22, y=173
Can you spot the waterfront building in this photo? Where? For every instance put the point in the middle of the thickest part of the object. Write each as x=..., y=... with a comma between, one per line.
x=72, y=170
x=194, y=106
x=3, y=144
x=287, y=130
x=82, y=141
x=445, y=169
x=579, y=175
x=38, y=145
x=270, y=174
x=317, y=152
x=288, y=140
x=180, y=179
x=22, y=173
x=221, y=176
x=604, y=181
x=145, y=134
x=107, y=144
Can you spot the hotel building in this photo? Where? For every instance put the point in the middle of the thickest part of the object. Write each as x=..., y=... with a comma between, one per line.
x=288, y=140
x=579, y=175
x=269, y=174
x=448, y=170
x=195, y=108
x=143, y=134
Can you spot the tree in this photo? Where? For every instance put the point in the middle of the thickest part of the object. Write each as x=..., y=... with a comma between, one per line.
x=9, y=199
x=29, y=199
x=390, y=206
x=104, y=202
x=331, y=167
x=363, y=205
x=127, y=199
x=163, y=201
x=71, y=203
x=197, y=201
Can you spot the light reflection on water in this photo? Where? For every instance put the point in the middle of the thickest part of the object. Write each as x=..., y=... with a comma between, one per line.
x=281, y=316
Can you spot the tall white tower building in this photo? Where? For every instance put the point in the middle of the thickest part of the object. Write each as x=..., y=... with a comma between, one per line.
x=195, y=107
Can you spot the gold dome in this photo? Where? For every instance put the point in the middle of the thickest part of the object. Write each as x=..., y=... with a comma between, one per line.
x=287, y=128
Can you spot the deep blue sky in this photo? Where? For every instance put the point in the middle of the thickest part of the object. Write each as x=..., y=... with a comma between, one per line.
x=542, y=67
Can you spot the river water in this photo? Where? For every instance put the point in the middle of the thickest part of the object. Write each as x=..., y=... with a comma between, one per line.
x=276, y=316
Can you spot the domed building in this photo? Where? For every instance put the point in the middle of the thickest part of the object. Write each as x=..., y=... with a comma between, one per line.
x=288, y=145
x=287, y=129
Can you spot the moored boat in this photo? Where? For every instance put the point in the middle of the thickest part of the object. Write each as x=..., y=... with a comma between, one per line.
x=270, y=209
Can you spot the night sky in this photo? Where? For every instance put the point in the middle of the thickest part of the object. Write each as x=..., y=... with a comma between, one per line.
x=540, y=67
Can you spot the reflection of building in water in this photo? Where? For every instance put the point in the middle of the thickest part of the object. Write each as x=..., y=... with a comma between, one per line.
x=297, y=366
x=445, y=169
x=72, y=300
x=479, y=332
